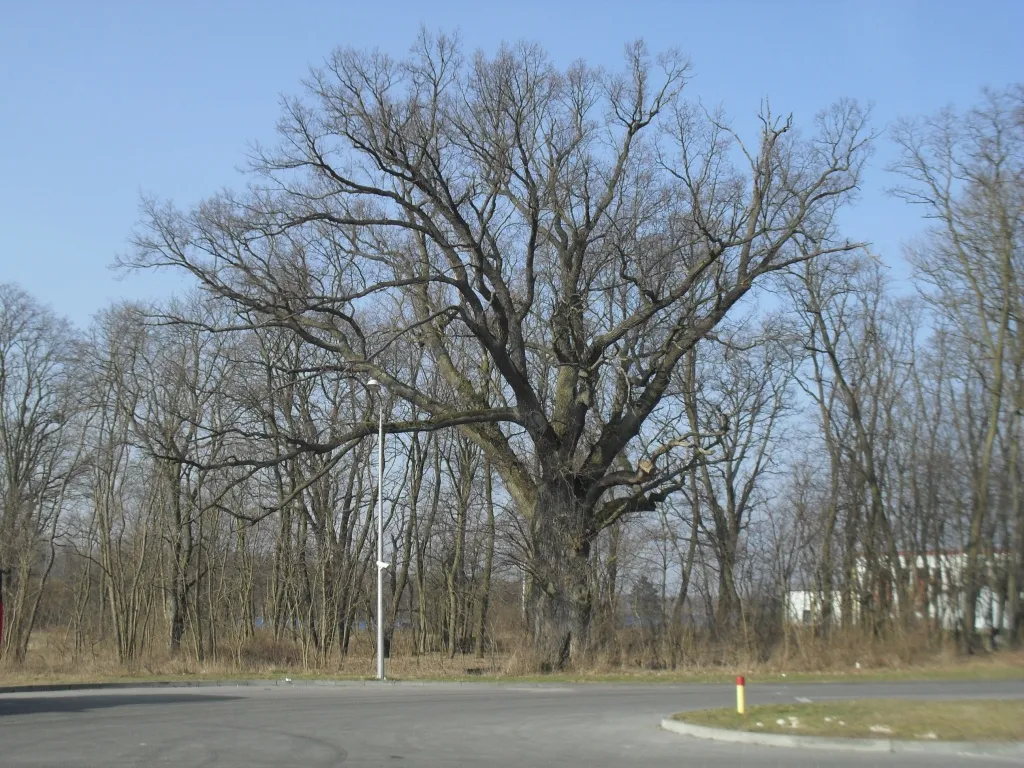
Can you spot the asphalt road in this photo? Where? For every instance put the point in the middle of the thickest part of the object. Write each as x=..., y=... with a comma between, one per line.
x=428, y=725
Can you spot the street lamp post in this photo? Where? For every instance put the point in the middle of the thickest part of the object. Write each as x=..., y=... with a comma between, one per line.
x=375, y=386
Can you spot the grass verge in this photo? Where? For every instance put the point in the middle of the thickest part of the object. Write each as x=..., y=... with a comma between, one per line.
x=959, y=720
x=40, y=669
x=20, y=677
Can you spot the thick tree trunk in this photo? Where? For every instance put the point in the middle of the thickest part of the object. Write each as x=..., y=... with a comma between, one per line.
x=178, y=603
x=728, y=608
x=561, y=594
x=180, y=556
x=17, y=637
x=281, y=570
x=422, y=539
x=454, y=579
x=485, y=585
x=400, y=571
x=826, y=566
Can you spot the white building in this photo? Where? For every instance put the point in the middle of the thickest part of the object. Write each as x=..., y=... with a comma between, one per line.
x=936, y=591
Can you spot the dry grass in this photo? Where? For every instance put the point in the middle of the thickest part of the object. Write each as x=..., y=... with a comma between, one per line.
x=982, y=720
x=628, y=658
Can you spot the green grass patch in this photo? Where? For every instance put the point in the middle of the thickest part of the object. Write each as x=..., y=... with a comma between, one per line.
x=955, y=720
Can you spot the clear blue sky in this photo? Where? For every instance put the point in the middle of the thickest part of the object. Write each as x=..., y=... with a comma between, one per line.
x=103, y=100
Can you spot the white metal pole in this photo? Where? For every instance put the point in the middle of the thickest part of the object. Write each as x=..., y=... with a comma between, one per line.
x=380, y=542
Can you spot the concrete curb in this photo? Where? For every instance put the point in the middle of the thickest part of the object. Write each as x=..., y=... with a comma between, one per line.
x=966, y=748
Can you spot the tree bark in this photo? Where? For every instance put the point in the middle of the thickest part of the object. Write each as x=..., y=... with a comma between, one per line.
x=485, y=585
x=561, y=594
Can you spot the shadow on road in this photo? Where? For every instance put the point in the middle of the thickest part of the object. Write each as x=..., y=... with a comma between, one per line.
x=50, y=704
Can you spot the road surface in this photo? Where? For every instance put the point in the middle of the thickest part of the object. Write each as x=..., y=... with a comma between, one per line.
x=422, y=725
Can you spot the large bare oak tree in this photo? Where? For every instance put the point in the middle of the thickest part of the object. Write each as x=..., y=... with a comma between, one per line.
x=570, y=233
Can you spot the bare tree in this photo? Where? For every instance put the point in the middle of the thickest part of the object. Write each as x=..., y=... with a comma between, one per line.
x=748, y=390
x=579, y=230
x=858, y=347
x=121, y=496
x=39, y=453
x=966, y=172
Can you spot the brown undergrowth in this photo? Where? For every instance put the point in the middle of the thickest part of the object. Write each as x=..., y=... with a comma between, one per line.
x=628, y=656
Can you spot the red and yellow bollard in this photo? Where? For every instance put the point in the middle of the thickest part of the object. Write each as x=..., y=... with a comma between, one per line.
x=741, y=696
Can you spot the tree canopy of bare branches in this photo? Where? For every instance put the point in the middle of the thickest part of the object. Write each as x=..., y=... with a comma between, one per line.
x=555, y=241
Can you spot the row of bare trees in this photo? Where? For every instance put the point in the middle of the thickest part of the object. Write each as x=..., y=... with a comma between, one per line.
x=633, y=377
